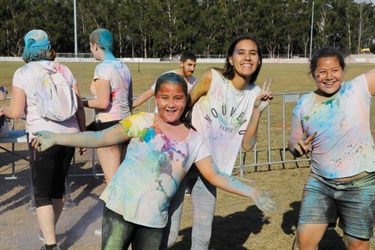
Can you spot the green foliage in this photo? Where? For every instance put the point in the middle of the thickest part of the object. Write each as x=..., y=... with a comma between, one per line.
x=164, y=28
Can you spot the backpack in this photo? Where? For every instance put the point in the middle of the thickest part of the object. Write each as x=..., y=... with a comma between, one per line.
x=56, y=99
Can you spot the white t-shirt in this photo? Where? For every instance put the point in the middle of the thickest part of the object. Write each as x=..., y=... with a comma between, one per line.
x=118, y=74
x=153, y=169
x=343, y=146
x=28, y=79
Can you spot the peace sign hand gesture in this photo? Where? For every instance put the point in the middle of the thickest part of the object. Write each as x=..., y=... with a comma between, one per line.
x=265, y=97
x=304, y=146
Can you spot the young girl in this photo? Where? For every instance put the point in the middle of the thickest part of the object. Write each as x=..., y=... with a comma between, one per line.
x=227, y=109
x=112, y=88
x=333, y=124
x=162, y=148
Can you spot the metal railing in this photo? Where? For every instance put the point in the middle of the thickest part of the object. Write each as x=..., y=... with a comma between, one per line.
x=270, y=151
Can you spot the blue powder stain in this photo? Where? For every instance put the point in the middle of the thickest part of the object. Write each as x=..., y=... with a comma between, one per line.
x=150, y=133
x=329, y=102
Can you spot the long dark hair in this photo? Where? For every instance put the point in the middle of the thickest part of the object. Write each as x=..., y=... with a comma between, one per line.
x=228, y=70
x=179, y=80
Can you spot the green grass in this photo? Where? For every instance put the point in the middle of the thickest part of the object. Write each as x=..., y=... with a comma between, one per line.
x=287, y=77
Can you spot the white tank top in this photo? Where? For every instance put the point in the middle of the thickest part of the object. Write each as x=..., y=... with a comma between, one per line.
x=222, y=117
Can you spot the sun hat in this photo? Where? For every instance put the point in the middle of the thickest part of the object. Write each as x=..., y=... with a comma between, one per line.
x=37, y=38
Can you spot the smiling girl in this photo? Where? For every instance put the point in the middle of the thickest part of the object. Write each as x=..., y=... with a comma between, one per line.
x=162, y=148
x=333, y=123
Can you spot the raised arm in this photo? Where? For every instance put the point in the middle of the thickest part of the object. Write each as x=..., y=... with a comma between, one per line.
x=143, y=97
x=261, y=103
x=201, y=87
x=111, y=136
x=221, y=180
x=299, y=143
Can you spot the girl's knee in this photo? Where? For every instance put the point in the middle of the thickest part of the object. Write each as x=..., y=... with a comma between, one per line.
x=355, y=243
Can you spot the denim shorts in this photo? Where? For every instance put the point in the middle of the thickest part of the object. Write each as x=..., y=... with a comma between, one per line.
x=353, y=203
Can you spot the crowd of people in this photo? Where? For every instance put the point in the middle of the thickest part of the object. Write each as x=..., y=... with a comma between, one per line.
x=191, y=141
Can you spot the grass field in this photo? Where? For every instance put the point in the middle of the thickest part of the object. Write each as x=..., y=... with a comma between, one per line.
x=287, y=77
x=238, y=224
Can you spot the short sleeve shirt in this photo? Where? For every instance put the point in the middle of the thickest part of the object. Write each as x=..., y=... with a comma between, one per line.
x=28, y=78
x=344, y=145
x=149, y=176
x=119, y=77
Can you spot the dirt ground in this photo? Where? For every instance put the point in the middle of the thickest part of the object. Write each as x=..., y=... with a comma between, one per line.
x=237, y=224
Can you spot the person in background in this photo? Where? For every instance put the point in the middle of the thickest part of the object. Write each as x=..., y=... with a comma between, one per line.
x=68, y=203
x=48, y=168
x=227, y=109
x=112, y=90
x=333, y=124
x=186, y=70
x=163, y=146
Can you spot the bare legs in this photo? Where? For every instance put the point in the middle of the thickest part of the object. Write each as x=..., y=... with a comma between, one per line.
x=309, y=236
x=47, y=217
x=110, y=159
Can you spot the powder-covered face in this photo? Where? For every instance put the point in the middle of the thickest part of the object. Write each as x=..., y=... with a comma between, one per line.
x=170, y=101
x=328, y=75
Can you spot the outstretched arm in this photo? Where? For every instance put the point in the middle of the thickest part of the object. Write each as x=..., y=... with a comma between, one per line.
x=201, y=87
x=111, y=136
x=299, y=143
x=143, y=97
x=261, y=103
x=221, y=180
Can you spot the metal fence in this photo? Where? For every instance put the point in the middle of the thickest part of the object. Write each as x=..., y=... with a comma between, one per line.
x=270, y=151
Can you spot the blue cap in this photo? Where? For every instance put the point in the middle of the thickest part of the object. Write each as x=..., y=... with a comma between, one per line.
x=37, y=38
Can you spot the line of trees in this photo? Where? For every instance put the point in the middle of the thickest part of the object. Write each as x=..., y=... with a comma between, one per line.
x=163, y=28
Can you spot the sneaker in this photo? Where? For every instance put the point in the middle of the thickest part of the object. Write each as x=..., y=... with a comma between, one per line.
x=41, y=236
x=31, y=207
x=68, y=204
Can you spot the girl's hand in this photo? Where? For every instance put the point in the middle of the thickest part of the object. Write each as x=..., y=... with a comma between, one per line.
x=263, y=200
x=43, y=140
x=304, y=145
x=265, y=97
